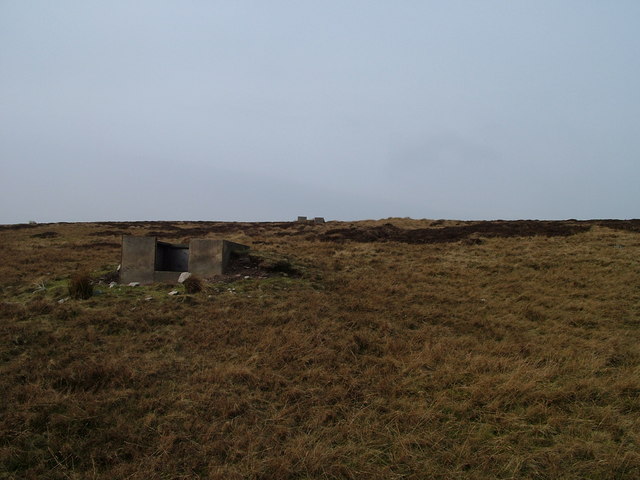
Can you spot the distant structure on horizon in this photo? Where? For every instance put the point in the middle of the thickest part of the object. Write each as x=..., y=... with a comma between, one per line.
x=315, y=220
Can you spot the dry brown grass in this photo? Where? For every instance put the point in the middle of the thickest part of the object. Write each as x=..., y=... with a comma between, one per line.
x=502, y=358
x=193, y=284
x=80, y=286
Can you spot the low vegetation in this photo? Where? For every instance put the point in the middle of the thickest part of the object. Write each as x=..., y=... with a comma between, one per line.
x=397, y=349
x=80, y=286
x=193, y=284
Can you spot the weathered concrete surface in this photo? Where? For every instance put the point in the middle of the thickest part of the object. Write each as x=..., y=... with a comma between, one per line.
x=229, y=249
x=209, y=257
x=146, y=261
x=138, y=259
x=205, y=256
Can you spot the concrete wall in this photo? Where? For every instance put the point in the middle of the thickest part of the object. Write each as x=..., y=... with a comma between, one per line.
x=138, y=259
x=205, y=256
x=229, y=249
x=210, y=257
x=146, y=261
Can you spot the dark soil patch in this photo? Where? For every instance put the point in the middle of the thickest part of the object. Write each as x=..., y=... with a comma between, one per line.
x=46, y=235
x=626, y=225
x=169, y=230
x=251, y=266
x=19, y=226
x=103, y=245
x=108, y=233
x=251, y=229
x=244, y=266
x=490, y=229
x=121, y=224
x=86, y=246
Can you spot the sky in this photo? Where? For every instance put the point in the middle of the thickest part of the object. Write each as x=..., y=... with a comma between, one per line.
x=265, y=110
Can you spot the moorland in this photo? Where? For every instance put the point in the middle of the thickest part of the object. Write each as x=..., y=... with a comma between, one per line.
x=391, y=349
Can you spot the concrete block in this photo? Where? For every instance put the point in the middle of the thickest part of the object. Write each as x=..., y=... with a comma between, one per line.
x=146, y=260
x=302, y=219
x=205, y=256
x=138, y=259
x=229, y=249
x=318, y=220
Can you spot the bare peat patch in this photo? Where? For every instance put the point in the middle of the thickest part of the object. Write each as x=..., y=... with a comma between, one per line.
x=490, y=229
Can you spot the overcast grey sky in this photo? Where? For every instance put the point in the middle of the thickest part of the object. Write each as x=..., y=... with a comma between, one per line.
x=265, y=110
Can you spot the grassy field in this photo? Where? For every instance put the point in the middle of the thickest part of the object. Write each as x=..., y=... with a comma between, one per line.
x=395, y=349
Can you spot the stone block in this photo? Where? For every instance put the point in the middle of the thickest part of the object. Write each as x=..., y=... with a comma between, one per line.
x=138, y=259
x=146, y=260
x=205, y=256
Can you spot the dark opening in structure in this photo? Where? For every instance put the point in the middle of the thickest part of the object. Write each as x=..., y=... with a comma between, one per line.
x=172, y=258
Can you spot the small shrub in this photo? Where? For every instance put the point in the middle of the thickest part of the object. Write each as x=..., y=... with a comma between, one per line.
x=193, y=284
x=80, y=286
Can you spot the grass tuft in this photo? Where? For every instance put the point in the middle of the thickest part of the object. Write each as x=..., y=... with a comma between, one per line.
x=80, y=286
x=193, y=284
